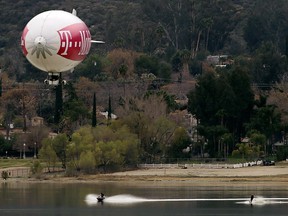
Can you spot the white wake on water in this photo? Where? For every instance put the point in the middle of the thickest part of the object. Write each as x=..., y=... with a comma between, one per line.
x=259, y=201
x=127, y=199
x=91, y=199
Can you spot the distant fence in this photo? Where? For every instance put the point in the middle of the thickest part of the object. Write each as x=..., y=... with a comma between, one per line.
x=200, y=165
x=21, y=172
x=25, y=171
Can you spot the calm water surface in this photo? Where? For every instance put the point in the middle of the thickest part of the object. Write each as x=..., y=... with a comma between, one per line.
x=130, y=200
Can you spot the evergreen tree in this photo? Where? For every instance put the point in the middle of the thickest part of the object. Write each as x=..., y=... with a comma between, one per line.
x=58, y=104
x=223, y=103
x=1, y=87
x=109, y=108
x=94, y=116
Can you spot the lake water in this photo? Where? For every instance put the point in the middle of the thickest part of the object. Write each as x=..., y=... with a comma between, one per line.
x=131, y=200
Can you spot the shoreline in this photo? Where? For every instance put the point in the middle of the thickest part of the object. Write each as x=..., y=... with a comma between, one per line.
x=273, y=176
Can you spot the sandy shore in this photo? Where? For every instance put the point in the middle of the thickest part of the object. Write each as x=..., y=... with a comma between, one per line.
x=260, y=175
x=272, y=176
x=276, y=176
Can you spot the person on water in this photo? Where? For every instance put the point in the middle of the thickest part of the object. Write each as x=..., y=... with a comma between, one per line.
x=251, y=198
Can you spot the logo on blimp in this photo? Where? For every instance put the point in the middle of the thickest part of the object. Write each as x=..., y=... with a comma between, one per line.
x=75, y=42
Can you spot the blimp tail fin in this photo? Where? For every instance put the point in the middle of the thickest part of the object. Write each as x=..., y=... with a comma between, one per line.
x=74, y=12
x=99, y=42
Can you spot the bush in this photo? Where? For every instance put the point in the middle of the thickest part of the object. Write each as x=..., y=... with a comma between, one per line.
x=236, y=154
x=36, y=168
x=71, y=170
x=282, y=153
x=87, y=162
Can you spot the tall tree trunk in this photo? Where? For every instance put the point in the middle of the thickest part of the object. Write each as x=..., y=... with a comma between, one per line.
x=207, y=39
x=24, y=112
x=198, y=43
x=109, y=109
x=58, y=102
x=94, y=116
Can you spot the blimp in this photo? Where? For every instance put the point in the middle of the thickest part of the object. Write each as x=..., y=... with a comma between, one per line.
x=56, y=41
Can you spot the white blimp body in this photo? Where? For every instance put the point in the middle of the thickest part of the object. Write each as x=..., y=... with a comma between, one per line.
x=56, y=41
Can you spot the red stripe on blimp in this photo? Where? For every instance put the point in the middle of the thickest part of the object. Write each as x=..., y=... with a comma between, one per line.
x=75, y=42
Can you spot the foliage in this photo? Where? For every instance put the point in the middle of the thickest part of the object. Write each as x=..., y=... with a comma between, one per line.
x=75, y=112
x=268, y=64
x=265, y=120
x=108, y=147
x=1, y=87
x=121, y=63
x=59, y=144
x=247, y=151
x=223, y=103
x=87, y=162
x=146, y=64
x=165, y=71
x=282, y=153
x=180, y=141
x=5, y=145
x=270, y=20
x=47, y=153
x=109, y=108
x=94, y=117
x=91, y=67
x=58, y=104
x=36, y=168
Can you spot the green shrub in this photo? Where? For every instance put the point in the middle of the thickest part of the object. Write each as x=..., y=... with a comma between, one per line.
x=36, y=168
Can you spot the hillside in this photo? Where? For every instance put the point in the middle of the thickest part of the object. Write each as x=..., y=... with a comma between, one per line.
x=145, y=26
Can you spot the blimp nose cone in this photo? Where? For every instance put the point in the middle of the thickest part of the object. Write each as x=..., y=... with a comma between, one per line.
x=40, y=41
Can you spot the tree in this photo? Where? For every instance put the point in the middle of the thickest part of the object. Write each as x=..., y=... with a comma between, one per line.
x=243, y=150
x=109, y=108
x=270, y=20
x=110, y=157
x=278, y=97
x=258, y=140
x=59, y=144
x=94, y=116
x=75, y=112
x=36, y=168
x=1, y=87
x=85, y=89
x=5, y=145
x=185, y=56
x=180, y=141
x=19, y=101
x=91, y=68
x=268, y=65
x=164, y=71
x=120, y=58
x=146, y=64
x=58, y=104
x=108, y=147
x=223, y=100
x=267, y=122
x=47, y=153
x=81, y=141
x=87, y=162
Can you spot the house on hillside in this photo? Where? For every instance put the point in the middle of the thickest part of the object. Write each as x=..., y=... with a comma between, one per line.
x=37, y=121
x=219, y=60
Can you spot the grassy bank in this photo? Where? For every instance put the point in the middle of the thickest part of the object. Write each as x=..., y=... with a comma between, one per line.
x=8, y=163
